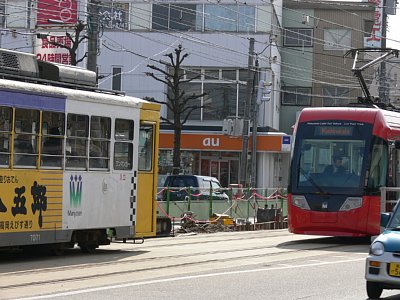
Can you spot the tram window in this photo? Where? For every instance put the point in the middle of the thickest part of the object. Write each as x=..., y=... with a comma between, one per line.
x=124, y=130
x=146, y=147
x=77, y=141
x=123, y=147
x=5, y=134
x=99, y=149
x=53, y=129
x=378, y=166
x=25, y=138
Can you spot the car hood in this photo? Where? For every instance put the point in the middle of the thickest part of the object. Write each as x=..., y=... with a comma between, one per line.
x=390, y=239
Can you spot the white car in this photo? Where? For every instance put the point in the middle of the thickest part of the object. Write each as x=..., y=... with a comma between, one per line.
x=383, y=262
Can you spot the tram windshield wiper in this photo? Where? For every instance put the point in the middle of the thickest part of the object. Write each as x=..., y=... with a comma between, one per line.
x=307, y=176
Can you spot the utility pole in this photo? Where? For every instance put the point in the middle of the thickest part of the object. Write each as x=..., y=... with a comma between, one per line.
x=254, y=122
x=383, y=82
x=246, y=123
x=93, y=34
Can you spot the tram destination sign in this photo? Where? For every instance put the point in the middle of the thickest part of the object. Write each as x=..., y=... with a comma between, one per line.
x=334, y=130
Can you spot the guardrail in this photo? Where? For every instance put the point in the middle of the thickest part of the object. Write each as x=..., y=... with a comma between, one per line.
x=243, y=205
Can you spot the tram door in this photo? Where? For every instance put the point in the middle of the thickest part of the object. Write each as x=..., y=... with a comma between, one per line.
x=147, y=180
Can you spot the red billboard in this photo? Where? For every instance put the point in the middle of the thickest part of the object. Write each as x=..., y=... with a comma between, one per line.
x=57, y=11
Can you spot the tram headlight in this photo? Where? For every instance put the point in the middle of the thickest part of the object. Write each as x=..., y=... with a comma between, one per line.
x=351, y=203
x=377, y=249
x=301, y=202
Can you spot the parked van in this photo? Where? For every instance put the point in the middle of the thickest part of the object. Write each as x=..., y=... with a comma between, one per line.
x=199, y=187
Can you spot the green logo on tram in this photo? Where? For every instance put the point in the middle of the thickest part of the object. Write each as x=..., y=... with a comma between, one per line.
x=75, y=190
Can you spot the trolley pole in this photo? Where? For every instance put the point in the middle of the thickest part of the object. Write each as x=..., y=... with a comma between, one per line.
x=246, y=125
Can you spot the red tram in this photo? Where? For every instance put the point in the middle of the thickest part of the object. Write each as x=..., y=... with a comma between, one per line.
x=348, y=202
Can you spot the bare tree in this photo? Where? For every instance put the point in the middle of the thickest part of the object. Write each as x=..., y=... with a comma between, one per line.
x=178, y=102
x=76, y=38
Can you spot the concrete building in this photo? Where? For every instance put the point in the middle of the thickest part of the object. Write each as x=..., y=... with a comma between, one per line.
x=315, y=71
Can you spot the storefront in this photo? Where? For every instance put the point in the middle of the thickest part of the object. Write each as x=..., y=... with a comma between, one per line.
x=214, y=154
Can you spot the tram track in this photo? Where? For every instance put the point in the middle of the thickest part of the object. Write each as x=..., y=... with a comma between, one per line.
x=127, y=264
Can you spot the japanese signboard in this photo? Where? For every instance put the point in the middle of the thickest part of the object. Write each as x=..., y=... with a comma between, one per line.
x=29, y=201
x=62, y=11
x=115, y=15
x=46, y=51
x=374, y=40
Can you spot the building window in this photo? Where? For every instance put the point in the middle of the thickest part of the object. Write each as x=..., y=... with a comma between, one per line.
x=337, y=39
x=229, y=18
x=225, y=93
x=296, y=96
x=117, y=78
x=335, y=96
x=298, y=37
x=182, y=17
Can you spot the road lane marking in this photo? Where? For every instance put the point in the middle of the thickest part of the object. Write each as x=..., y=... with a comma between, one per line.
x=132, y=284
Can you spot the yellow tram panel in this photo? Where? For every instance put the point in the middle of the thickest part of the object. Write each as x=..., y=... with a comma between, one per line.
x=30, y=200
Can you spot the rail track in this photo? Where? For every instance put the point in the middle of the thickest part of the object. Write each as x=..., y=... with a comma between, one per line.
x=125, y=262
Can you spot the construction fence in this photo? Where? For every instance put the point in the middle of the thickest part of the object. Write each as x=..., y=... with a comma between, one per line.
x=249, y=206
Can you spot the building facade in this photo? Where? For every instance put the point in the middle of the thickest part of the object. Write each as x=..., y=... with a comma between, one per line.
x=215, y=35
x=315, y=69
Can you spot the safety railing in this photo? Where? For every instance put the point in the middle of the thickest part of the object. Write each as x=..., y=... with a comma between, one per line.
x=243, y=205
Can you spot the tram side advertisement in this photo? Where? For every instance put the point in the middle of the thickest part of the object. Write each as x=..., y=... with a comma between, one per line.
x=30, y=201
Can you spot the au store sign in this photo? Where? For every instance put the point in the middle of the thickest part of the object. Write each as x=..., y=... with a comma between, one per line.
x=216, y=142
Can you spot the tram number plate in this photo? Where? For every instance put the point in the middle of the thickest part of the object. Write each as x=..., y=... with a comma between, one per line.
x=394, y=269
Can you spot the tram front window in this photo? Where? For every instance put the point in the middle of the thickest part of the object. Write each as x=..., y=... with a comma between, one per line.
x=330, y=163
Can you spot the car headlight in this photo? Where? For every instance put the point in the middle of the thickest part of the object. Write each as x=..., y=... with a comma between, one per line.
x=377, y=249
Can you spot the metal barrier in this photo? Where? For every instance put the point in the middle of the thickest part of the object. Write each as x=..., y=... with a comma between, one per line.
x=242, y=205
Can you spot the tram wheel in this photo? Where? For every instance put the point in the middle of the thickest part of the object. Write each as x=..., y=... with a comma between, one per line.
x=374, y=290
x=90, y=249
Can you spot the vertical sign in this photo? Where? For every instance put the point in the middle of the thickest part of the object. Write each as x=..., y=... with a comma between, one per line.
x=374, y=40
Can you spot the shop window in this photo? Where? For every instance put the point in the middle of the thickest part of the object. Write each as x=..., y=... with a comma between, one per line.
x=123, y=146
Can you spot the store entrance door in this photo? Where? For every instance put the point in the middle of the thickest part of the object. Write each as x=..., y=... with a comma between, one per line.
x=216, y=168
